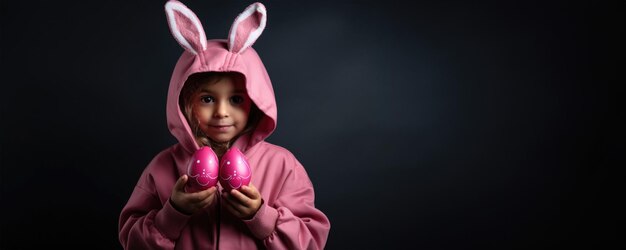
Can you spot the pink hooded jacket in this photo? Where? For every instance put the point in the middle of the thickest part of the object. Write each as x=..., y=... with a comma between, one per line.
x=287, y=219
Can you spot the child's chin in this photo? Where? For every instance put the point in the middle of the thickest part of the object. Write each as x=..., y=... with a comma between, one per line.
x=221, y=138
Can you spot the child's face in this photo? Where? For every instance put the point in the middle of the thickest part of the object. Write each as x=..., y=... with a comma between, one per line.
x=222, y=108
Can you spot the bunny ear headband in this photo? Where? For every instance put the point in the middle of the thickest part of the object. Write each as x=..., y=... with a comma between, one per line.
x=188, y=31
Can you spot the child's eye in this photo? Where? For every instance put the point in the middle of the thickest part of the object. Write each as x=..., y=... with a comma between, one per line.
x=206, y=99
x=236, y=99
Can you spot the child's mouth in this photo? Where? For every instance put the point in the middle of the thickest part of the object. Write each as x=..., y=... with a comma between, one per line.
x=221, y=127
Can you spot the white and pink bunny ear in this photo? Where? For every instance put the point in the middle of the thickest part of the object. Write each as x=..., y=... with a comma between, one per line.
x=247, y=27
x=185, y=27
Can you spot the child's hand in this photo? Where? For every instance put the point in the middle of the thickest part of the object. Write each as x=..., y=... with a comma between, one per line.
x=245, y=203
x=190, y=203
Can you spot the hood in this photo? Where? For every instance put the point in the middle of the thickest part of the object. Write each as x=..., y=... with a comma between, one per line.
x=233, y=54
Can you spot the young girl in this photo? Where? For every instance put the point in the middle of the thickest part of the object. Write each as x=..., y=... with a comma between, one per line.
x=220, y=95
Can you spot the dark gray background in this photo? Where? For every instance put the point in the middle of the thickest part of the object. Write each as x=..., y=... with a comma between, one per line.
x=447, y=125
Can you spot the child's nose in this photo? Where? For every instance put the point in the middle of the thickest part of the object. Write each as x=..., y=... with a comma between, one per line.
x=221, y=110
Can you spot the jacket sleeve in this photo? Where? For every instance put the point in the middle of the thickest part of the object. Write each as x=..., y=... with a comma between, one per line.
x=292, y=222
x=146, y=222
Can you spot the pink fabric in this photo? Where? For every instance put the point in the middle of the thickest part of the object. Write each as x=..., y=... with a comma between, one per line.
x=245, y=27
x=287, y=219
x=188, y=30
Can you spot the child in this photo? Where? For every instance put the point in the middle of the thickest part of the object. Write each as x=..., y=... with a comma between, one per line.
x=220, y=95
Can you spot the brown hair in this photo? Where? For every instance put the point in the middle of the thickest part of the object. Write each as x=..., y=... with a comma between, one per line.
x=192, y=85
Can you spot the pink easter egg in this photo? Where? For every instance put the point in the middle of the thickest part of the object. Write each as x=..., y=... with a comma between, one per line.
x=202, y=170
x=234, y=170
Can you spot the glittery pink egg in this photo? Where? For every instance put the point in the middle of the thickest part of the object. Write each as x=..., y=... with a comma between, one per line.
x=202, y=170
x=234, y=170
